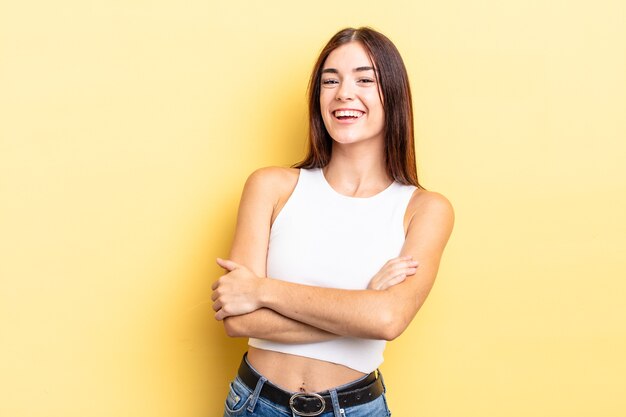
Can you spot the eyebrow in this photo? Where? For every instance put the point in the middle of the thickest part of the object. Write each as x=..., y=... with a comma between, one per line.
x=357, y=69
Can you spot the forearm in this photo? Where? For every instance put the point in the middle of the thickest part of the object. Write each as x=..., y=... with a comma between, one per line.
x=367, y=314
x=268, y=324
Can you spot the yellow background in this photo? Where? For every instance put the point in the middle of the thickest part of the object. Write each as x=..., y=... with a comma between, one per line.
x=127, y=129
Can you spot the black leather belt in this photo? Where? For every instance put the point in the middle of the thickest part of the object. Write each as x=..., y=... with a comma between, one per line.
x=313, y=404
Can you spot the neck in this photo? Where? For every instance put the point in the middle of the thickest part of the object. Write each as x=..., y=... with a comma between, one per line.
x=357, y=169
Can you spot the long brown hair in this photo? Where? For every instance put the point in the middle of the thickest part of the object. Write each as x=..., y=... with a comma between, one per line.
x=394, y=86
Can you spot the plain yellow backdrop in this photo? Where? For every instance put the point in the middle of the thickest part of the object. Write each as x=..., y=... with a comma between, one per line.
x=127, y=129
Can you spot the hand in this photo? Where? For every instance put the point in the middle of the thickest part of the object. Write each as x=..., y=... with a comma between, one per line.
x=236, y=292
x=394, y=272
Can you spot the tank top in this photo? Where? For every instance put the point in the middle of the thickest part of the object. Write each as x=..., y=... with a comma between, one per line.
x=326, y=239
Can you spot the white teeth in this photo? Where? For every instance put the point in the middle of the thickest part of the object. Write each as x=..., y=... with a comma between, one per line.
x=348, y=113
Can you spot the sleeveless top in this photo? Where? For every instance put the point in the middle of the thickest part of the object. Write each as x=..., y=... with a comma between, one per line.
x=327, y=239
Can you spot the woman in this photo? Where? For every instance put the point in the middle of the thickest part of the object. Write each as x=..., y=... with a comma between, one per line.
x=334, y=257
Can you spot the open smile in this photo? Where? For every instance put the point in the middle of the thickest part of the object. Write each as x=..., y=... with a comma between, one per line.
x=348, y=115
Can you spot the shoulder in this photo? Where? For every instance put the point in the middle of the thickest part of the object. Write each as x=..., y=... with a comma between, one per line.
x=429, y=200
x=269, y=178
x=430, y=206
x=271, y=183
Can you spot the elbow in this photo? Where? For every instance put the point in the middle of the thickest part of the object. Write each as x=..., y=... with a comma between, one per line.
x=395, y=317
x=392, y=332
x=390, y=327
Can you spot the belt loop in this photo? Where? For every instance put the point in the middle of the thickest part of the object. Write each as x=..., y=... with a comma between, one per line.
x=380, y=375
x=337, y=410
x=256, y=393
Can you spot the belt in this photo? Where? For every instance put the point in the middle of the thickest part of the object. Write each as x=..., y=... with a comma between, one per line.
x=313, y=404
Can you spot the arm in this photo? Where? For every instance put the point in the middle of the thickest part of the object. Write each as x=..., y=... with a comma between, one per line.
x=266, y=190
x=360, y=313
x=234, y=294
x=267, y=324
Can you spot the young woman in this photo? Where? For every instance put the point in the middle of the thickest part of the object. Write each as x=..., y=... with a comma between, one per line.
x=334, y=257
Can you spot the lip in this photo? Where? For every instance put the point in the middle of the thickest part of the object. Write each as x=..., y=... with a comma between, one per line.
x=349, y=120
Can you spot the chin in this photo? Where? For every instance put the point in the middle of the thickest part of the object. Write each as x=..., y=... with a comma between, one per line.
x=345, y=137
x=346, y=141
x=349, y=140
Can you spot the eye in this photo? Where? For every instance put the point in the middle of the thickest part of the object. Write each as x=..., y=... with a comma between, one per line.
x=330, y=81
x=366, y=80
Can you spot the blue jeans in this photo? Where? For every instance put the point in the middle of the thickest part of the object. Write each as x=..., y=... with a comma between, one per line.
x=242, y=401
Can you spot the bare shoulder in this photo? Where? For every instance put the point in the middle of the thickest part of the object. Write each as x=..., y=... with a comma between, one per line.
x=268, y=189
x=432, y=207
x=429, y=200
x=271, y=184
x=273, y=178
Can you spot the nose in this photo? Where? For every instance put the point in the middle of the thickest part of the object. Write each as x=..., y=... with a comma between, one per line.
x=344, y=92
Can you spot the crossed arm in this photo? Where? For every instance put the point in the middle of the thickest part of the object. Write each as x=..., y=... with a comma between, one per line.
x=253, y=305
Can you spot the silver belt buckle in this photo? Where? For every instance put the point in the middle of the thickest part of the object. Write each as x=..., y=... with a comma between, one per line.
x=307, y=394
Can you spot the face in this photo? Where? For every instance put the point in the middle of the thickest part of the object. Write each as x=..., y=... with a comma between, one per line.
x=349, y=99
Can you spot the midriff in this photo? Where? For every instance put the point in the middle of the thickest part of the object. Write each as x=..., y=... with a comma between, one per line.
x=296, y=373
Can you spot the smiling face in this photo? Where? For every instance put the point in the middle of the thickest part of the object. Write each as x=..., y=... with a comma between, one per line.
x=350, y=102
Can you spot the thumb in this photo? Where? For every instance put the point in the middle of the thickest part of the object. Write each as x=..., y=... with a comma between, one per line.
x=227, y=264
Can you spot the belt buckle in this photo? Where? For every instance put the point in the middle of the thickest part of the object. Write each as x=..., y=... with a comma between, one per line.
x=293, y=398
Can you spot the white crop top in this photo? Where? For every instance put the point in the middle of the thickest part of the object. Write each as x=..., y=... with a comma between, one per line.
x=327, y=239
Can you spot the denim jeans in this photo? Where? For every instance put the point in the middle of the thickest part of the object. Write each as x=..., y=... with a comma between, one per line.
x=242, y=401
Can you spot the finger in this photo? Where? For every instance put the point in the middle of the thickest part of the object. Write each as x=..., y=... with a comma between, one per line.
x=217, y=283
x=409, y=263
x=378, y=280
x=216, y=306
x=404, y=266
x=408, y=270
x=402, y=263
x=227, y=264
x=392, y=278
x=374, y=285
x=221, y=315
x=394, y=281
x=399, y=259
x=411, y=271
x=380, y=283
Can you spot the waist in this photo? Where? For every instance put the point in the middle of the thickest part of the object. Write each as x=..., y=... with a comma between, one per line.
x=294, y=373
x=308, y=403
